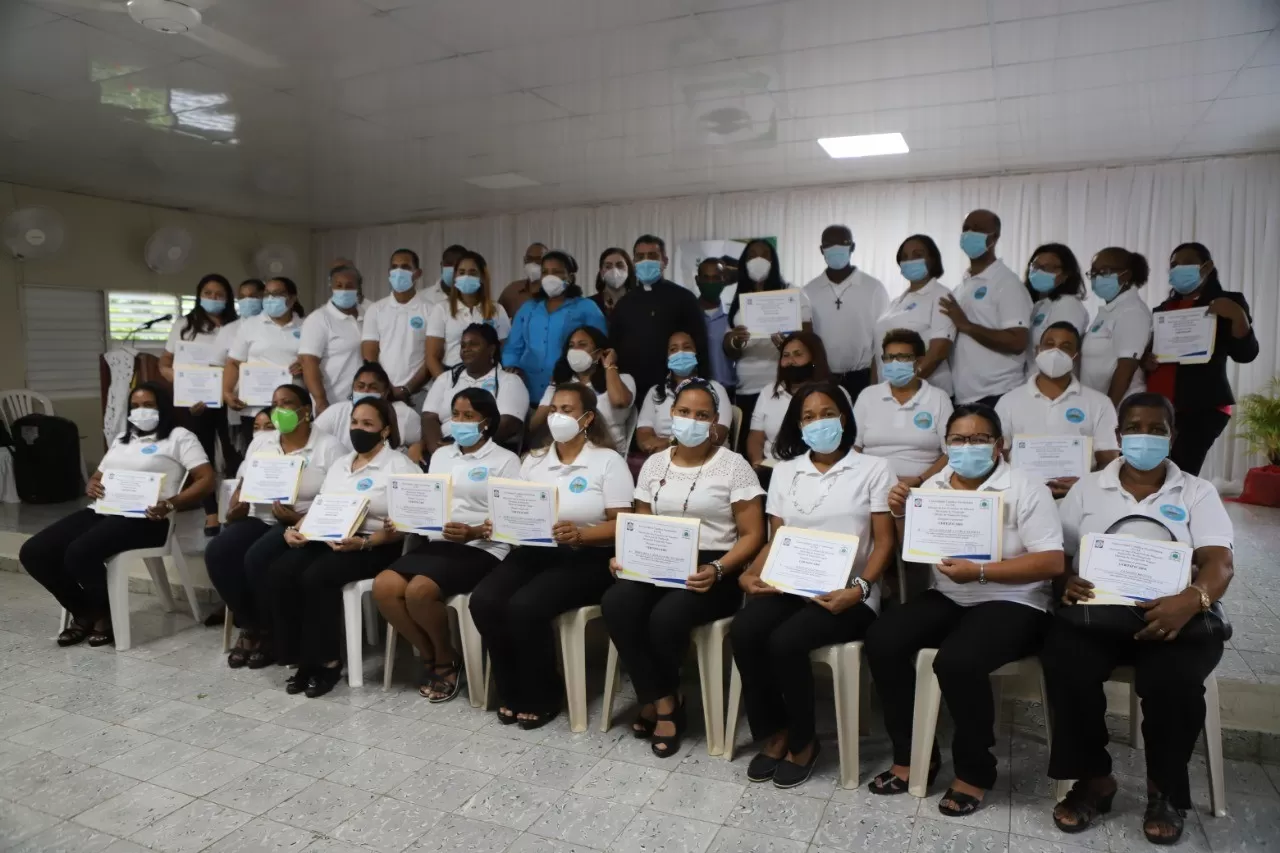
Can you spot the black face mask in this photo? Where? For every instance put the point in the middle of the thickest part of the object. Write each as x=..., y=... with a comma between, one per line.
x=710, y=290
x=794, y=373
x=363, y=440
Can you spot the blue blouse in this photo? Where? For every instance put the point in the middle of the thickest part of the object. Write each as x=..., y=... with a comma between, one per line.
x=537, y=338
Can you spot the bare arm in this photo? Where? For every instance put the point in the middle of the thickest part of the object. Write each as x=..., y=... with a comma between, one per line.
x=435, y=355
x=749, y=518
x=230, y=379
x=755, y=446
x=432, y=435
x=369, y=350
x=166, y=366
x=1120, y=379
x=939, y=351
x=620, y=395
x=883, y=539
x=314, y=381
x=1007, y=341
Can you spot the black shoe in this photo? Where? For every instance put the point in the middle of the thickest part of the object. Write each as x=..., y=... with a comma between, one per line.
x=665, y=746
x=260, y=658
x=297, y=682
x=762, y=768
x=789, y=774
x=540, y=719
x=323, y=680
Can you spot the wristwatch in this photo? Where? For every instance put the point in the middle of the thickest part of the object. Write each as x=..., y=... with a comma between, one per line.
x=169, y=505
x=864, y=586
x=1205, y=601
x=982, y=573
x=719, y=567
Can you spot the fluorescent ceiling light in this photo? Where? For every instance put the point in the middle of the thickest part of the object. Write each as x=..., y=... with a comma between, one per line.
x=503, y=181
x=869, y=145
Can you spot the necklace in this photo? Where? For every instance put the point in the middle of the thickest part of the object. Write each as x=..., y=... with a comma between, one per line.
x=663, y=481
x=791, y=494
x=840, y=295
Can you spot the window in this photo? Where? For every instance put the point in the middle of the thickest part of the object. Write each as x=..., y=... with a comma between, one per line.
x=63, y=339
x=128, y=310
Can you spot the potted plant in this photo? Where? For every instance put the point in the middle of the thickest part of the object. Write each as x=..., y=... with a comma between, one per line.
x=1258, y=423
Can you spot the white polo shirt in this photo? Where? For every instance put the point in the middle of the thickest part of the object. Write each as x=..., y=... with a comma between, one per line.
x=508, y=390
x=1046, y=312
x=261, y=339
x=997, y=299
x=450, y=328
x=911, y=435
x=848, y=329
x=400, y=331
x=1187, y=505
x=1120, y=329
x=1031, y=526
x=334, y=338
x=1078, y=411
x=469, y=472
x=174, y=457
x=336, y=421
x=657, y=416
x=214, y=339
x=918, y=311
x=597, y=480
x=615, y=418
x=770, y=412
x=758, y=365
x=707, y=492
x=320, y=452
x=369, y=481
x=839, y=500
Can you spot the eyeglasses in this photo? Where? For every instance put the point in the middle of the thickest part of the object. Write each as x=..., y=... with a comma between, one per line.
x=900, y=357
x=961, y=440
x=1092, y=274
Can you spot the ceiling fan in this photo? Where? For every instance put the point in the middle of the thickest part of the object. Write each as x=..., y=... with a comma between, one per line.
x=183, y=18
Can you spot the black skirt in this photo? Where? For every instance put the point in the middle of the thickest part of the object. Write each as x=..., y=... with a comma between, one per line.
x=454, y=567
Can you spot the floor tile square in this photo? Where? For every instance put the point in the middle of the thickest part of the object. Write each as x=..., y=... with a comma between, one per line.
x=191, y=828
x=322, y=806
x=135, y=809
x=509, y=803
x=260, y=790
x=387, y=826
x=585, y=821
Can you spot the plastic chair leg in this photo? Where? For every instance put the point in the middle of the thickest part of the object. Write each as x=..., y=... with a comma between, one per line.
x=924, y=722
x=228, y=628
x=118, y=597
x=389, y=658
x=160, y=580
x=573, y=652
x=1044, y=704
x=352, y=611
x=1213, y=746
x=1135, y=719
x=611, y=684
x=370, y=619
x=708, y=643
x=180, y=564
x=731, y=718
x=847, y=683
x=472, y=650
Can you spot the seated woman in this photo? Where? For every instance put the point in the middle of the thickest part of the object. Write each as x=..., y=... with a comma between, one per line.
x=69, y=557
x=820, y=484
x=411, y=593
x=650, y=625
x=801, y=358
x=237, y=559
x=305, y=584
x=980, y=615
x=588, y=359
x=1141, y=493
x=371, y=380
x=653, y=428
x=481, y=368
x=514, y=605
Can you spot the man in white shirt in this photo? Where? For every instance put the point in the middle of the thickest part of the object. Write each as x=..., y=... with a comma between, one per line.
x=329, y=349
x=395, y=330
x=991, y=311
x=846, y=303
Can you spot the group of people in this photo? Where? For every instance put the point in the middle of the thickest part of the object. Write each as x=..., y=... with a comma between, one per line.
x=635, y=390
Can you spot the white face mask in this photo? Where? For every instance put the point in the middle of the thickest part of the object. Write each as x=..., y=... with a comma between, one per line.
x=580, y=360
x=145, y=419
x=533, y=271
x=615, y=277
x=758, y=269
x=1054, y=363
x=563, y=428
x=553, y=285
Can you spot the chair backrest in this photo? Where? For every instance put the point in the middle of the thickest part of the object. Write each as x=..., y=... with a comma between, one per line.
x=19, y=402
x=735, y=427
x=629, y=431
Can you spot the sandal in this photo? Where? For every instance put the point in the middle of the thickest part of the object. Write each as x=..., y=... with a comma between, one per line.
x=643, y=727
x=508, y=718
x=1162, y=813
x=239, y=656
x=540, y=719
x=297, y=682
x=665, y=746
x=101, y=638
x=425, y=678
x=260, y=657
x=1083, y=805
x=965, y=804
x=324, y=679
x=888, y=783
x=442, y=687
x=73, y=634
x=790, y=774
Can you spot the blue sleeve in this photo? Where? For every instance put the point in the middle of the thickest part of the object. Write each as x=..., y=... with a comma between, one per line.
x=593, y=316
x=513, y=349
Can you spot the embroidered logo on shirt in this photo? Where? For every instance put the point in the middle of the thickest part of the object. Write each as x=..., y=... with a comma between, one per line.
x=416, y=322
x=1173, y=513
x=490, y=385
x=1037, y=320
x=980, y=293
x=578, y=485
x=297, y=333
x=1075, y=416
x=1096, y=326
x=923, y=420
x=912, y=305
x=150, y=449
x=364, y=485
x=477, y=475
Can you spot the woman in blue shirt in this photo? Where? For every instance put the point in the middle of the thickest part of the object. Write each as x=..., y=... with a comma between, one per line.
x=542, y=324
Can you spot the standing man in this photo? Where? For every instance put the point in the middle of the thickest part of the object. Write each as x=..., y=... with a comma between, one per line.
x=991, y=311
x=846, y=303
x=711, y=281
x=646, y=317
x=395, y=329
x=521, y=290
x=329, y=349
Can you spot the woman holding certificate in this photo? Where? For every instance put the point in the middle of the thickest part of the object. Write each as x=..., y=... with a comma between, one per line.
x=282, y=472
x=136, y=490
x=411, y=593
x=515, y=603
x=589, y=359
x=1111, y=354
x=821, y=484
x=264, y=354
x=329, y=548
x=653, y=428
x=1174, y=641
x=649, y=624
x=981, y=614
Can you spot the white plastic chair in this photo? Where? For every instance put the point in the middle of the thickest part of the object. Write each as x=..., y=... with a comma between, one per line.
x=118, y=584
x=357, y=605
x=571, y=627
x=845, y=662
x=708, y=644
x=19, y=402
x=735, y=428
x=228, y=628
x=928, y=697
x=472, y=649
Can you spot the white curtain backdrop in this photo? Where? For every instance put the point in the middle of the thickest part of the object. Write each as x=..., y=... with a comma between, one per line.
x=1232, y=205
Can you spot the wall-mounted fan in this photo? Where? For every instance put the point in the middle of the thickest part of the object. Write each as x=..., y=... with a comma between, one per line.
x=169, y=249
x=276, y=259
x=33, y=232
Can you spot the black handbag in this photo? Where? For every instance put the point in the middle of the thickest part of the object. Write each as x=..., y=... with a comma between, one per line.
x=1127, y=620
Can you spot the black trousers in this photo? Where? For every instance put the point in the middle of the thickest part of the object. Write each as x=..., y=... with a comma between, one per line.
x=513, y=607
x=304, y=586
x=1198, y=429
x=1169, y=679
x=747, y=403
x=650, y=626
x=972, y=642
x=211, y=426
x=772, y=637
x=238, y=560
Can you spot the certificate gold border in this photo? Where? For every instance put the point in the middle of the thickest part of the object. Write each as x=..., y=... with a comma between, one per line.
x=912, y=556
x=619, y=532
x=446, y=479
x=843, y=538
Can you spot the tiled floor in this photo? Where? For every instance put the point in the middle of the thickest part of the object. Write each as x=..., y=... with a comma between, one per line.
x=165, y=748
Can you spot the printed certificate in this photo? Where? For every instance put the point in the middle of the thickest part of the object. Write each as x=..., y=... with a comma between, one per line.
x=1184, y=336
x=419, y=503
x=193, y=385
x=809, y=562
x=657, y=549
x=522, y=513
x=271, y=478
x=1048, y=457
x=333, y=518
x=1125, y=570
x=770, y=312
x=947, y=523
x=259, y=381
x=128, y=493
x=192, y=354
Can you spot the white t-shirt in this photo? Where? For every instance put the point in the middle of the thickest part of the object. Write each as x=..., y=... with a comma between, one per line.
x=174, y=345
x=320, y=452
x=911, y=435
x=918, y=311
x=401, y=332
x=469, y=471
x=758, y=365
x=511, y=395
x=597, y=480
x=1031, y=526
x=657, y=416
x=369, y=481
x=770, y=412
x=996, y=299
x=336, y=421
x=1121, y=329
x=847, y=329
x=705, y=492
x=615, y=418
x=262, y=340
x=450, y=329
x=1046, y=312
x=334, y=338
x=1078, y=411
x=174, y=457
x=1187, y=505
x=839, y=500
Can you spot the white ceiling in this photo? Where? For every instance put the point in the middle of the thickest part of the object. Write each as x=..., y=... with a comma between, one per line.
x=379, y=109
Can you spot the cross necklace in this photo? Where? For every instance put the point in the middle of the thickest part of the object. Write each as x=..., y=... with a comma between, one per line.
x=839, y=299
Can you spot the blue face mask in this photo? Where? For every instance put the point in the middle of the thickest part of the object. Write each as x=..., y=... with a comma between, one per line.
x=446, y=275
x=916, y=270
x=1184, y=278
x=971, y=461
x=345, y=299
x=689, y=432
x=1107, y=287
x=823, y=436
x=465, y=433
x=648, y=271
x=357, y=396
x=899, y=373
x=837, y=256
x=1144, y=452
x=250, y=306
x=467, y=284
x=1041, y=281
x=275, y=306
x=213, y=306
x=401, y=280
x=682, y=363
x=973, y=244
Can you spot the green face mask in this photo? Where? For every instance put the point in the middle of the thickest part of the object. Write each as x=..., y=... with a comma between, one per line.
x=286, y=420
x=710, y=290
